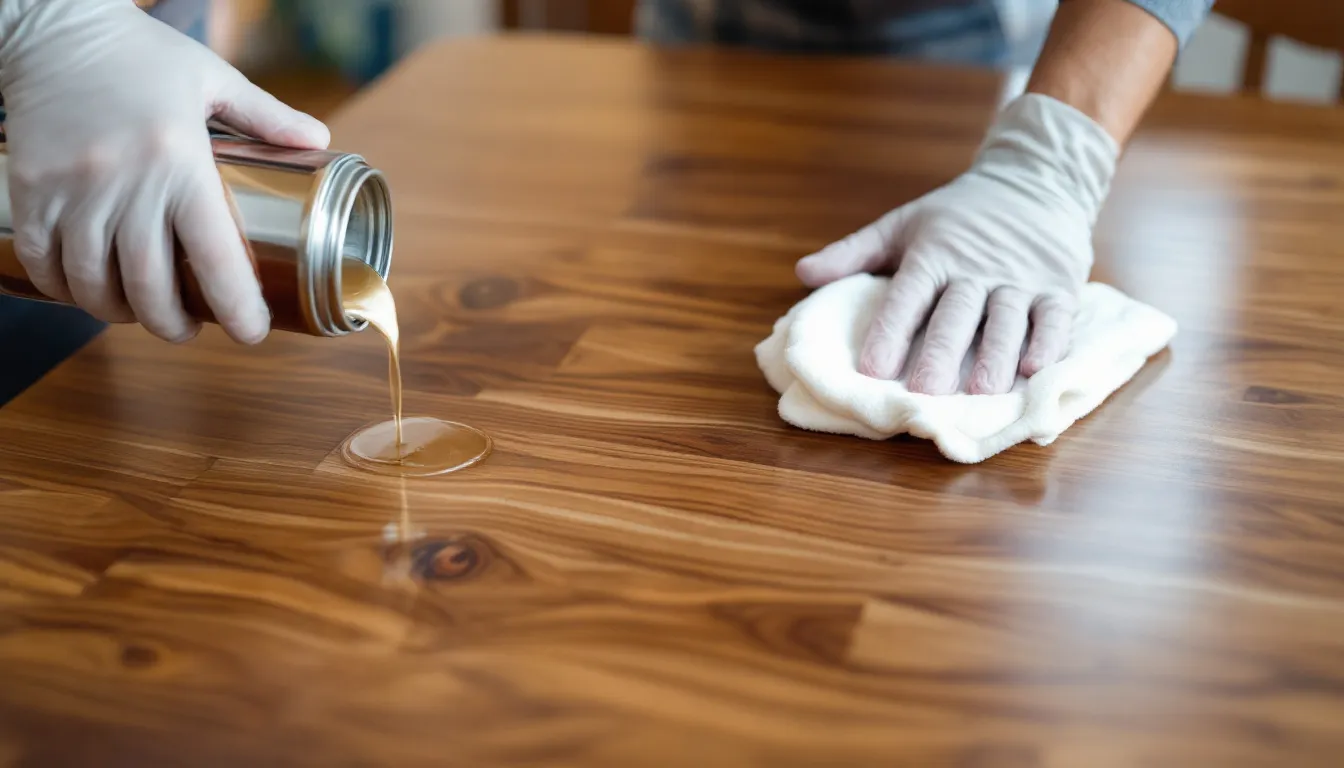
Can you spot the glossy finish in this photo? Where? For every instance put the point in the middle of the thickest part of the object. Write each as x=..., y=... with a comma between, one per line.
x=651, y=569
x=301, y=211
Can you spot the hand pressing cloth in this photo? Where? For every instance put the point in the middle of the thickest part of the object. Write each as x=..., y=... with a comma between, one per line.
x=811, y=359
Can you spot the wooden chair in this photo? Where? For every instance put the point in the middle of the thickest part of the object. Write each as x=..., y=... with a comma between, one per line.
x=1318, y=23
x=601, y=17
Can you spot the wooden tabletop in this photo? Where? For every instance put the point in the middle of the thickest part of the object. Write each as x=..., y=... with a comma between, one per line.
x=652, y=569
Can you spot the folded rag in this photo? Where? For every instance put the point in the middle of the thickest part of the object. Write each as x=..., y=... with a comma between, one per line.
x=811, y=359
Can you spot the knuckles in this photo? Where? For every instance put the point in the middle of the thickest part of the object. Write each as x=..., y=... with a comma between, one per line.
x=86, y=270
x=171, y=142
x=161, y=146
x=94, y=164
x=32, y=247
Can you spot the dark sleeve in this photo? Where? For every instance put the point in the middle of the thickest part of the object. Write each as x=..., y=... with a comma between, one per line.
x=189, y=17
x=1182, y=17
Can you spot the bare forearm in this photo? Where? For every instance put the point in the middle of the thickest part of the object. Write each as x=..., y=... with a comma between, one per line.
x=1107, y=59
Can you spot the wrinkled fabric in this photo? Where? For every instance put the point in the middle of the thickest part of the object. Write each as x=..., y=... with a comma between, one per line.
x=811, y=359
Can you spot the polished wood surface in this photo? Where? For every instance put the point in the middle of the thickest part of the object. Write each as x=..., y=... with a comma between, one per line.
x=652, y=569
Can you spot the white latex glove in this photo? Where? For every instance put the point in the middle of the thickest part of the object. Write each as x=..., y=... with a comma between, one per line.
x=1008, y=241
x=108, y=146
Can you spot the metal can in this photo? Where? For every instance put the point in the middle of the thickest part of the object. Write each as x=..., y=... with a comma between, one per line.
x=300, y=212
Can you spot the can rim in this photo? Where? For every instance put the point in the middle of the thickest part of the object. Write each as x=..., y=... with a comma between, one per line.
x=349, y=190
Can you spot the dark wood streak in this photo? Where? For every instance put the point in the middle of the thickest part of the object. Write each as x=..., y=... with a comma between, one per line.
x=453, y=559
x=1271, y=396
x=652, y=569
x=488, y=293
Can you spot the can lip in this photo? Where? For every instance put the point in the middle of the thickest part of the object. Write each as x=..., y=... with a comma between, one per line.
x=351, y=217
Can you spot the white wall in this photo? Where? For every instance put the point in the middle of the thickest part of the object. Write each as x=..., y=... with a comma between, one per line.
x=1212, y=61
x=428, y=20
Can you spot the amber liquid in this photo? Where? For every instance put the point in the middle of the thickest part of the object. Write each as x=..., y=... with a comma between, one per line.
x=412, y=447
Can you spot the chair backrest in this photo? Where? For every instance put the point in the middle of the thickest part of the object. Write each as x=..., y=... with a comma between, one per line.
x=1318, y=23
x=601, y=17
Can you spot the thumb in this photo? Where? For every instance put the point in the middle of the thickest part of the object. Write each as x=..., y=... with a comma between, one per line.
x=258, y=114
x=867, y=250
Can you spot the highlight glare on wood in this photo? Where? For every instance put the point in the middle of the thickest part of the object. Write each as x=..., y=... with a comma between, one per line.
x=652, y=569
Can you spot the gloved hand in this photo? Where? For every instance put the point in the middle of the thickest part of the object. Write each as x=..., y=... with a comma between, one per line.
x=1009, y=240
x=108, y=146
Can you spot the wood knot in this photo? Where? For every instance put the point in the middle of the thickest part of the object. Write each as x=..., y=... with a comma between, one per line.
x=488, y=293
x=449, y=560
x=1000, y=756
x=1272, y=396
x=137, y=656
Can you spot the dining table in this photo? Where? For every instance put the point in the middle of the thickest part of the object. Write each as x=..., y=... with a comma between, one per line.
x=652, y=567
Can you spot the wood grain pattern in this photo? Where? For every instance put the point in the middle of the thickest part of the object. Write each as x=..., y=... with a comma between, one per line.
x=652, y=569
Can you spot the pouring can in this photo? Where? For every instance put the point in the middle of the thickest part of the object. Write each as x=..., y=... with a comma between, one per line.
x=300, y=212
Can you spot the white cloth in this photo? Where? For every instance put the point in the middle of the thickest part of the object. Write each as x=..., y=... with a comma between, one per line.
x=811, y=359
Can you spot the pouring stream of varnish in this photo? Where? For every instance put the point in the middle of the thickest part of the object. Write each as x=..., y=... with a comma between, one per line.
x=365, y=295
x=416, y=446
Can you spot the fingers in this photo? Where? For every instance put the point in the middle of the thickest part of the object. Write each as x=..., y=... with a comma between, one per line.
x=949, y=335
x=260, y=115
x=37, y=241
x=867, y=250
x=215, y=252
x=909, y=298
x=86, y=243
x=1000, y=343
x=95, y=283
x=1051, y=330
x=144, y=247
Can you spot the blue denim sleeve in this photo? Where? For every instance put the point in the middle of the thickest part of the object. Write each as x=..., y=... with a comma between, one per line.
x=190, y=17
x=1182, y=17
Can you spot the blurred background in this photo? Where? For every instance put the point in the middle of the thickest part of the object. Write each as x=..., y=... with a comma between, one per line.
x=315, y=53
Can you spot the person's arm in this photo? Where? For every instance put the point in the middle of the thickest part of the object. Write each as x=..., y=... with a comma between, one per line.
x=1109, y=58
x=1004, y=249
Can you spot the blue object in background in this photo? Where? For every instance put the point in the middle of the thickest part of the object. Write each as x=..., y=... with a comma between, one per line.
x=358, y=37
x=36, y=337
